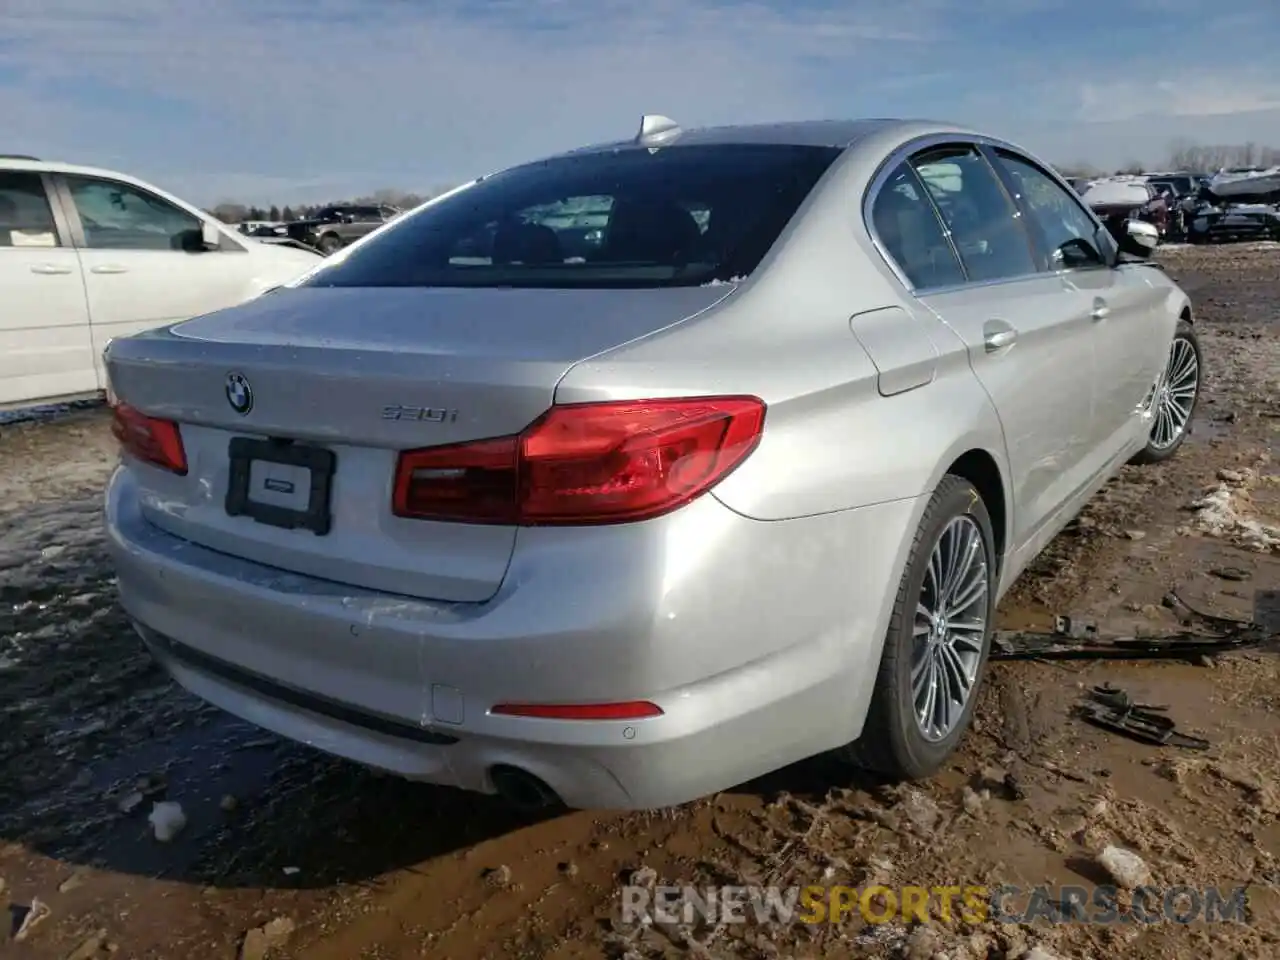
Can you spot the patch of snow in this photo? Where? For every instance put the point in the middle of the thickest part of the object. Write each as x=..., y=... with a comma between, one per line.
x=167, y=820
x=1223, y=513
x=1128, y=869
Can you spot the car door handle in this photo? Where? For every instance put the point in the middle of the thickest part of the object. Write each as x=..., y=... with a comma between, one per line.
x=50, y=269
x=109, y=268
x=1100, y=310
x=997, y=335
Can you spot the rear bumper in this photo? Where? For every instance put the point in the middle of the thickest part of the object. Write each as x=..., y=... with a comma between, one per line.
x=758, y=640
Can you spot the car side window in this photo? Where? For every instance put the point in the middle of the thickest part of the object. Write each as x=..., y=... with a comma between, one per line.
x=1067, y=233
x=26, y=218
x=909, y=231
x=985, y=226
x=117, y=216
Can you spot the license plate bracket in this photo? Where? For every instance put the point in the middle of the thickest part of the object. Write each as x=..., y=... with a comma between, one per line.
x=319, y=463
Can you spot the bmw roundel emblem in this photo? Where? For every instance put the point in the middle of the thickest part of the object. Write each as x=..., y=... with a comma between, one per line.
x=239, y=393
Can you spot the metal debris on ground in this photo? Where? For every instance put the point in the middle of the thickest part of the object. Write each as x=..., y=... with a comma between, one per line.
x=1072, y=639
x=1236, y=574
x=31, y=916
x=1113, y=709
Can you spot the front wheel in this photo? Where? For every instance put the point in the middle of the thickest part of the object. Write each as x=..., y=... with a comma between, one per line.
x=330, y=243
x=1173, y=398
x=935, y=652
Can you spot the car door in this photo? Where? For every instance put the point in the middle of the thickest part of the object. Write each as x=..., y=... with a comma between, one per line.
x=145, y=264
x=342, y=224
x=365, y=221
x=1119, y=304
x=45, y=347
x=1026, y=344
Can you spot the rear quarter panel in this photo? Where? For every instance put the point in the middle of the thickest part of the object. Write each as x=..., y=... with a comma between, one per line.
x=831, y=440
x=842, y=463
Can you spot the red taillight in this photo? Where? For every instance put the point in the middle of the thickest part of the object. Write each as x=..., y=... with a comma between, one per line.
x=585, y=463
x=630, y=710
x=149, y=438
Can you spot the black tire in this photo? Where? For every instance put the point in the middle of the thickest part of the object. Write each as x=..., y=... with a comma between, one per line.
x=1158, y=453
x=891, y=742
x=329, y=243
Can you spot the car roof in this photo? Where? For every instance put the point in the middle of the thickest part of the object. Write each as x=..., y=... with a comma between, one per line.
x=15, y=162
x=12, y=162
x=799, y=133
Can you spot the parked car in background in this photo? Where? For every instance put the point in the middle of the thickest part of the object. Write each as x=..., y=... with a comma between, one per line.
x=263, y=228
x=741, y=485
x=332, y=228
x=1181, y=184
x=88, y=254
x=1129, y=197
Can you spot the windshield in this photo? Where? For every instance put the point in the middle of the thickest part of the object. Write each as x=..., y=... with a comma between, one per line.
x=675, y=216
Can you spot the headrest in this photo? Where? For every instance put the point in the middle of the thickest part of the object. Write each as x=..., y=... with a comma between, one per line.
x=528, y=243
x=650, y=232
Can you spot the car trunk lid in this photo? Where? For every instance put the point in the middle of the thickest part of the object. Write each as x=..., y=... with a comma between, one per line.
x=362, y=374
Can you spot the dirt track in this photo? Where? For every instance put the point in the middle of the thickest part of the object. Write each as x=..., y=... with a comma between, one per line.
x=368, y=867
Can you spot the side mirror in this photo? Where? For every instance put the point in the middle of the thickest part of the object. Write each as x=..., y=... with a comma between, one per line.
x=1136, y=238
x=210, y=236
x=1142, y=236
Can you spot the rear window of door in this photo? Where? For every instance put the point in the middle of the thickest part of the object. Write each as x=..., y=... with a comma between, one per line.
x=633, y=217
x=26, y=218
x=985, y=225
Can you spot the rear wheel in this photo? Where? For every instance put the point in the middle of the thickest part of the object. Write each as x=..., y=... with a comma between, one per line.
x=935, y=652
x=329, y=243
x=1174, y=397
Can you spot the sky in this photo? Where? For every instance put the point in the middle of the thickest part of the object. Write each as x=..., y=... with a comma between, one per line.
x=291, y=101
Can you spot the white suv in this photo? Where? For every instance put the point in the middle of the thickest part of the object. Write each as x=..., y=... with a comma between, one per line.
x=87, y=255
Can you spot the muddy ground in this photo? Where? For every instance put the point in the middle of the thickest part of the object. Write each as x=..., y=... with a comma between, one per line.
x=352, y=865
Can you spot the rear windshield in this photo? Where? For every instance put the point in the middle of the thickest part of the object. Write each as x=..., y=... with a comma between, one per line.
x=635, y=217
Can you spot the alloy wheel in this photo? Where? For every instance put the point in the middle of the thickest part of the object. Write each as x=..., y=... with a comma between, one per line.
x=1175, y=395
x=949, y=629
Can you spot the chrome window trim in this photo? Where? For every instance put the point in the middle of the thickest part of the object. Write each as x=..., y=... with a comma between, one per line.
x=981, y=143
x=886, y=169
x=941, y=221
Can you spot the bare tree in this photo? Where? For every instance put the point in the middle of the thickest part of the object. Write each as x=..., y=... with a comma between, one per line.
x=1208, y=158
x=233, y=212
x=390, y=197
x=229, y=212
x=1081, y=168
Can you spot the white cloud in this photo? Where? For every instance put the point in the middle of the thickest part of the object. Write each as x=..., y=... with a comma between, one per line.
x=306, y=99
x=346, y=82
x=1189, y=94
